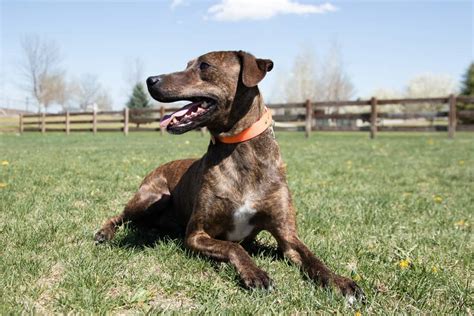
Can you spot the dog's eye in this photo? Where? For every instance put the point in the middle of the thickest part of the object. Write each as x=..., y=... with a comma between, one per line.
x=204, y=66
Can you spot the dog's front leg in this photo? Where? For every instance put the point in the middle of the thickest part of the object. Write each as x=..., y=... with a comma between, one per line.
x=295, y=250
x=251, y=275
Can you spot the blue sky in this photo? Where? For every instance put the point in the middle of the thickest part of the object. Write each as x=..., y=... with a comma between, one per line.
x=384, y=43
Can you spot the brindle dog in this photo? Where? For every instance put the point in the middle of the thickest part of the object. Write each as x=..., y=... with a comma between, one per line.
x=235, y=190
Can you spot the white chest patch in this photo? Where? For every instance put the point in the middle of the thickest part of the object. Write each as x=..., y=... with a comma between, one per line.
x=241, y=218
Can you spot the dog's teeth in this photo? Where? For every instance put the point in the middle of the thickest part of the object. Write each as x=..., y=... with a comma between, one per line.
x=204, y=105
x=174, y=120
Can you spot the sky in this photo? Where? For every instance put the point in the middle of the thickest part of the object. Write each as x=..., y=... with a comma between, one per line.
x=384, y=44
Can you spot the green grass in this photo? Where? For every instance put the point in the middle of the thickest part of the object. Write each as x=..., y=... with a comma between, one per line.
x=364, y=206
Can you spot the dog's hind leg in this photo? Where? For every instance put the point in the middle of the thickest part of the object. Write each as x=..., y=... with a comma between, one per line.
x=147, y=203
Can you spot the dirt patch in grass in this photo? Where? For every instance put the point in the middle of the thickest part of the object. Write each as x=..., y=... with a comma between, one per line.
x=178, y=303
x=150, y=300
x=47, y=284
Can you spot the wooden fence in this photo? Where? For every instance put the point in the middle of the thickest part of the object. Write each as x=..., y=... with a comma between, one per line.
x=314, y=112
x=96, y=121
x=306, y=117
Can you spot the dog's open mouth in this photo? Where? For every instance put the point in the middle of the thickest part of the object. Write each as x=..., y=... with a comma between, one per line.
x=191, y=113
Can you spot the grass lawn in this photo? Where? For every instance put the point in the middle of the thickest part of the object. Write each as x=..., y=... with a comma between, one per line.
x=395, y=213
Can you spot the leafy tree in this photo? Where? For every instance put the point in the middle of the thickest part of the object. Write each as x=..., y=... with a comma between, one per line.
x=467, y=89
x=138, y=100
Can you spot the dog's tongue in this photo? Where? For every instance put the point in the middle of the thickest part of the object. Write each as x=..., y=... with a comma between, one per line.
x=167, y=118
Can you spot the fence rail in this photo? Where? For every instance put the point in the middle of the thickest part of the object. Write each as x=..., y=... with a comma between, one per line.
x=308, y=117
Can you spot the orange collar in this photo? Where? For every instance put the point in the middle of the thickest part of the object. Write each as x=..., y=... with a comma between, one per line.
x=256, y=129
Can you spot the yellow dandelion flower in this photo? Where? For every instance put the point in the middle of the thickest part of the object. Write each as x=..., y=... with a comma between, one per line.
x=358, y=313
x=349, y=162
x=461, y=224
x=430, y=141
x=461, y=162
x=2, y=185
x=5, y=163
x=356, y=277
x=434, y=269
x=437, y=199
x=404, y=264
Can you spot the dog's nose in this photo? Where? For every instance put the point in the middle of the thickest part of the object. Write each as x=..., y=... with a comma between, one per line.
x=152, y=80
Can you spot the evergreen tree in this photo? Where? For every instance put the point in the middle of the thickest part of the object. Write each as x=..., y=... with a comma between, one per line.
x=138, y=100
x=467, y=85
x=467, y=89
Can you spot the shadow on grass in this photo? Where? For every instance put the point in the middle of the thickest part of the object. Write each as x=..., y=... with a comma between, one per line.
x=140, y=238
x=137, y=239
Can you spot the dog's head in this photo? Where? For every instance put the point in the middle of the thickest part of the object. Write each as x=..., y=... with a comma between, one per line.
x=221, y=87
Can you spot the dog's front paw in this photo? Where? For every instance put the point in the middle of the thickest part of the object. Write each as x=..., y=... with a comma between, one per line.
x=102, y=236
x=257, y=279
x=349, y=289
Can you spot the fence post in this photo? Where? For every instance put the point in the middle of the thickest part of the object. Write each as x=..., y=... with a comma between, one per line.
x=452, y=116
x=94, y=122
x=21, y=124
x=373, y=117
x=67, y=123
x=43, y=123
x=309, y=118
x=125, y=121
x=162, y=114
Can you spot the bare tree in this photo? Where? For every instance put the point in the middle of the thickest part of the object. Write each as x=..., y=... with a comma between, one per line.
x=337, y=84
x=51, y=88
x=40, y=67
x=325, y=81
x=302, y=83
x=104, y=101
x=87, y=91
x=90, y=94
x=60, y=91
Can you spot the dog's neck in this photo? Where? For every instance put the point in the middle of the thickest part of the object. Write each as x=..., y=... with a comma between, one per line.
x=249, y=110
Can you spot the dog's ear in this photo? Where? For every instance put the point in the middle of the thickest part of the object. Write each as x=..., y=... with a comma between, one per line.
x=253, y=69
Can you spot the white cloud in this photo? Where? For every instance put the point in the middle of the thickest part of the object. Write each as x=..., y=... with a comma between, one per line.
x=235, y=10
x=175, y=3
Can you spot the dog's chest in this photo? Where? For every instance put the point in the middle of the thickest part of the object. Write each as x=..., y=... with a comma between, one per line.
x=241, y=218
